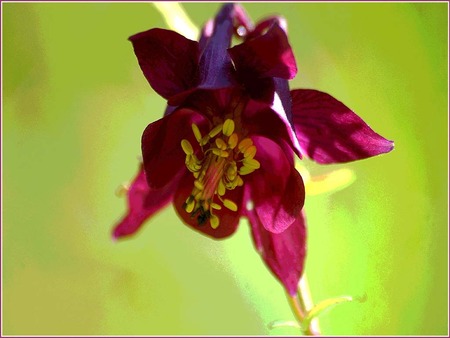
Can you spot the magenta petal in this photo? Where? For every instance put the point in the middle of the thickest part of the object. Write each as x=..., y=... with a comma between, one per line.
x=161, y=145
x=329, y=132
x=143, y=202
x=263, y=25
x=229, y=220
x=168, y=60
x=284, y=253
x=271, y=122
x=276, y=188
x=268, y=55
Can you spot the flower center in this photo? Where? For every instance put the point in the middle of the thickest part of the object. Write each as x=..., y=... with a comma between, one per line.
x=222, y=163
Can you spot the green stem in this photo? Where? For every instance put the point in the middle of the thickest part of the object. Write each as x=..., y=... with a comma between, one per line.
x=301, y=304
x=305, y=300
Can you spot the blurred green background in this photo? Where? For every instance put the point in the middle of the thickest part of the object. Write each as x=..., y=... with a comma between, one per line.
x=74, y=106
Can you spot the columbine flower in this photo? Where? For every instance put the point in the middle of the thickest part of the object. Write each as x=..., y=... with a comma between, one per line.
x=225, y=147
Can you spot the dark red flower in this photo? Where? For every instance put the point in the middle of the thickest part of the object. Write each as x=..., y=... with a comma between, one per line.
x=225, y=147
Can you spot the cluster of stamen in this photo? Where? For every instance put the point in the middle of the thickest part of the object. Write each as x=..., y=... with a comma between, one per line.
x=223, y=162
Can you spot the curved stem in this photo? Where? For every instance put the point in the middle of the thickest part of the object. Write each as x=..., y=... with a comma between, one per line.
x=305, y=300
x=301, y=304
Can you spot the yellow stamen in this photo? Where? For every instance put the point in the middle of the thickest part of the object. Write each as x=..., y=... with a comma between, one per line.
x=216, y=206
x=217, y=169
x=198, y=196
x=196, y=131
x=221, y=144
x=228, y=127
x=190, y=204
x=187, y=147
x=199, y=185
x=192, y=163
x=250, y=152
x=221, y=188
x=215, y=131
x=230, y=205
x=221, y=153
x=251, y=163
x=204, y=140
x=233, y=140
x=214, y=221
x=245, y=170
x=244, y=144
x=231, y=172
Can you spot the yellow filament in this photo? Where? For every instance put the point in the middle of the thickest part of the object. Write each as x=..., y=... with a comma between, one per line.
x=199, y=185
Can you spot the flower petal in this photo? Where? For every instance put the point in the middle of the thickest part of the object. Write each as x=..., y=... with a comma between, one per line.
x=263, y=25
x=284, y=94
x=268, y=55
x=161, y=145
x=271, y=122
x=285, y=252
x=143, y=203
x=329, y=132
x=215, y=68
x=276, y=188
x=229, y=220
x=168, y=60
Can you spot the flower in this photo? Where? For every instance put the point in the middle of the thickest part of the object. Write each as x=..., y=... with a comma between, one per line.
x=225, y=146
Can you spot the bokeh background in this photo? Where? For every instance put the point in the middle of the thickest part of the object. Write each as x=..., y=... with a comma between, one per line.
x=74, y=106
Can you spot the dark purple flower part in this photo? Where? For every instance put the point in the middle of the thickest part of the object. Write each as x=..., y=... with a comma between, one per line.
x=176, y=66
x=225, y=147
